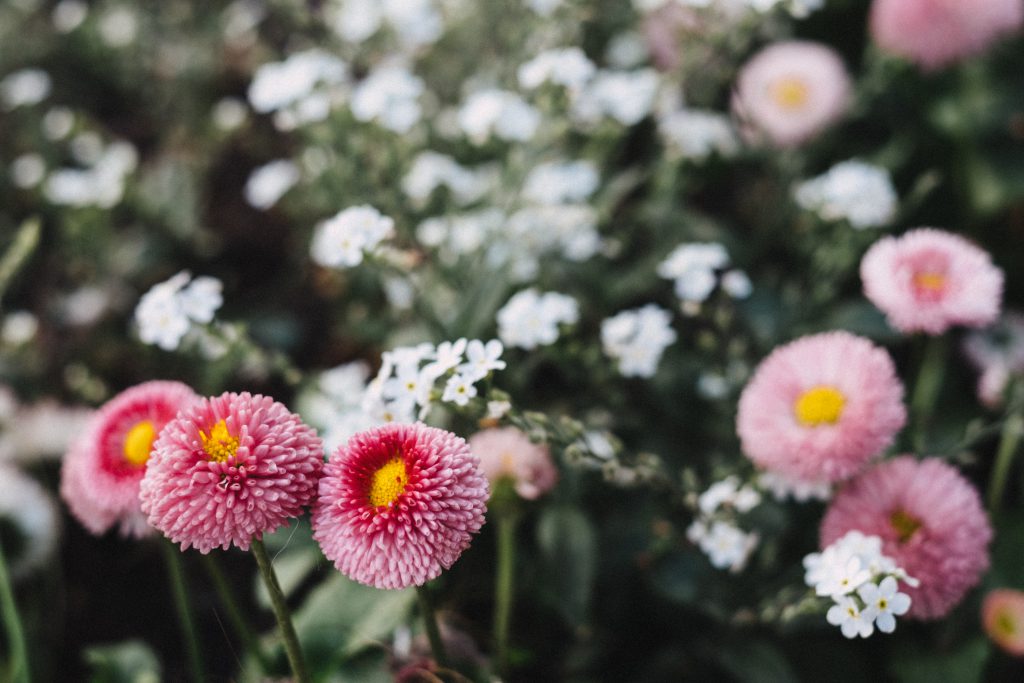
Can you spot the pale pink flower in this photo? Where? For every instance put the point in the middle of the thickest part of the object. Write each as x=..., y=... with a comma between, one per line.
x=934, y=33
x=931, y=523
x=228, y=470
x=103, y=467
x=507, y=453
x=1002, y=615
x=820, y=407
x=928, y=280
x=789, y=92
x=398, y=504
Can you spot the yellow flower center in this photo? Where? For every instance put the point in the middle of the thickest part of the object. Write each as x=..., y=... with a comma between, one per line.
x=138, y=443
x=790, y=93
x=219, y=445
x=930, y=281
x=905, y=524
x=818, y=406
x=388, y=483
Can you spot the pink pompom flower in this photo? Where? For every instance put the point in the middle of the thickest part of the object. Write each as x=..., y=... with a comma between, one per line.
x=398, y=504
x=1002, y=615
x=507, y=453
x=820, y=407
x=229, y=469
x=102, y=470
x=928, y=280
x=934, y=33
x=790, y=91
x=931, y=523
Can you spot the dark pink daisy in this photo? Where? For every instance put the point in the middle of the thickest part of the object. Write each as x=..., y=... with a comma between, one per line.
x=398, y=504
x=229, y=469
x=930, y=521
x=102, y=470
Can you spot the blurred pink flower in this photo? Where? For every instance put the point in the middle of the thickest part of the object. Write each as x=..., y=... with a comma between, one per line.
x=103, y=467
x=398, y=504
x=929, y=280
x=508, y=452
x=788, y=92
x=931, y=524
x=229, y=469
x=820, y=407
x=934, y=33
x=1002, y=615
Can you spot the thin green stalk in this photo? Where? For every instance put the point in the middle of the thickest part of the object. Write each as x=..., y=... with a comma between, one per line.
x=281, y=612
x=1013, y=430
x=430, y=623
x=504, y=587
x=17, y=255
x=176, y=573
x=926, y=390
x=235, y=616
x=18, y=672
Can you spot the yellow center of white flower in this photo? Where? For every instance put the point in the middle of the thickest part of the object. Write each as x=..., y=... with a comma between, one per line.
x=219, y=445
x=818, y=406
x=790, y=93
x=138, y=443
x=388, y=483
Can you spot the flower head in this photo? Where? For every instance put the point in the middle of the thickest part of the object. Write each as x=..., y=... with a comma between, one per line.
x=1002, y=615
x=102, y=470
x=398, y=504
x=931, y=524
x=929, y=280
x=818, y=408
x=228, y=469
x=508, y=453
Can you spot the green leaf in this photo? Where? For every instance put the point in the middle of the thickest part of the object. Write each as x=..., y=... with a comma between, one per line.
x=129, y=662
x=568, y=546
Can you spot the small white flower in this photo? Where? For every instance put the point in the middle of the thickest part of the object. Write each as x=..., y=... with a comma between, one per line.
x=531, y=319
x=637, y=339
x=390, y=96
x=693, y=266
x=561, y=183
x=626, y=96
x=270, y=182
x=852, y=620
x=24, y=88
x=201, y=299
x=841, y=574
x=728, y=547
x=697, y=134
x=782, y=488
x=341, y=241
x=458, y=390
x=887, y=602
x=567, y=67
x=498, y=409
x=447, y=356
x=736, y=284
x=498, y=113
x=166, y=312
x=859, y=193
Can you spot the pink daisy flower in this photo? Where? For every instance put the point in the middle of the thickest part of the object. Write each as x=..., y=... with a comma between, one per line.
x=101, y=472
x=229, y=469
x=929, y=280
x=398, y=504
x=507, y=453
x=934, y=33
x=931, y=524
x=790, y=91
x=820, y=407
x=1002, y=615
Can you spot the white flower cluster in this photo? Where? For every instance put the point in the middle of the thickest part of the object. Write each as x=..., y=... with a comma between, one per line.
x=796, y=8
x=431, y=170
x=341, y=241
x=695, y=269
x=334, y=403
x=415, y=22
x=862, y=583
x=697, y=134
x=269, y=182
x=561, y=182
x=715, y=530
x=169, y=310
x=782, y=488
x=859, y=193
x=301, y=89
x=531, y=319
x=390, y=97
x=567, y=67
x=497, y=113
x=624, y=96
x=24, y=88
x=637, y=338
x=102, y=180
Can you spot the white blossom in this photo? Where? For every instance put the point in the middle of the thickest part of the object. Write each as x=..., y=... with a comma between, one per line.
x=531, y=319
x=341, y=241
x=497, y=113
x=625, y=96
x=693, y=266
x=886, y=601
x=561, y=182
x=166, y=312
x=24, y=88
x=390, y=96
x=482, y=358
x=302, y=88
x=727, y=546
x=697, y=134
x=637, y=338
x=852, y=620
x=459, y=389
x=567, y=67
x=857, y=192
x=268, y=183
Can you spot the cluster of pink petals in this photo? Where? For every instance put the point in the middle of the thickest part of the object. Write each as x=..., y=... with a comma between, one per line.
x=819, y=71
x=971, y=287
x=100, y=486
x=934, y=33
x=948, y=551
x=508, y=453
x=424, y=529
x=1002, y=615
x=198, y=501
x=774, y=438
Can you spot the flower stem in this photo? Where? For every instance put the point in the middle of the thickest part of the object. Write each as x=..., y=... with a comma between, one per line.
x=284, y=619
x=1013, y=429
x=18, y=672
x=504, y=588
x=926, y=390
x=430, y=623
x=176, y=573
x=238, y=621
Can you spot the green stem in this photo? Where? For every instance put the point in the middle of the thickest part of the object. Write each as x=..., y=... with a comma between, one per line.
x=19, y=672
x=284, y=618
x=504, y=588
x=235, y=616
x=176, y=573
x=430, y=623
x=1013, y=429
x=25, y=242
x=926, y=390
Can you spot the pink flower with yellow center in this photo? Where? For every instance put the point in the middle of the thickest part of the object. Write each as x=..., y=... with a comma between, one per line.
x=398, y=504
x=929, y=280
x=819, y=408
x=230, y=469
x=103, y=468
x=509, y=453
x=1002, y=615
x=931, y=523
